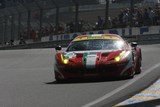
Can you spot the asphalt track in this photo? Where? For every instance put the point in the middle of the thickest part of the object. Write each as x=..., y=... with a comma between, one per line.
x=27, y=80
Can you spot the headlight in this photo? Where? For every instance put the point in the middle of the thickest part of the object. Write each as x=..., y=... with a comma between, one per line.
x=64, y=59
x=121, y=56
x=117, y=59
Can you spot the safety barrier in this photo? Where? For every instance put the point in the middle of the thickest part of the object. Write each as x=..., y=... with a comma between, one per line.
x=140, y=39
x=145, y=30
x=143, y=35
x=144, y=39
x=50, y=44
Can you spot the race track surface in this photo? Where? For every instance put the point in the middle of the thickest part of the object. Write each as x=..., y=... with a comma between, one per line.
x=27, y=80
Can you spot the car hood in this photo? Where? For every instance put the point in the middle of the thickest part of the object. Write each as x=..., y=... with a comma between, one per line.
x=100, y=54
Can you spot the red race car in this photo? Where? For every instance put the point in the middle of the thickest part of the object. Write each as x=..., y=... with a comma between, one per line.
x=97, y=55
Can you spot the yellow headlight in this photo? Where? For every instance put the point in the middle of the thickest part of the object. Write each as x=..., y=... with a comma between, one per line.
x=64, y=60
x=117, y=59
x=122, y=55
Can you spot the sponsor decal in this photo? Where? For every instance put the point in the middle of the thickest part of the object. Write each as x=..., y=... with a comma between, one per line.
x=121, y=31
x=98, y=36
x=143, y=30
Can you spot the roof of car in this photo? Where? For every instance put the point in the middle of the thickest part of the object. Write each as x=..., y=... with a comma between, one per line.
x=97, y=36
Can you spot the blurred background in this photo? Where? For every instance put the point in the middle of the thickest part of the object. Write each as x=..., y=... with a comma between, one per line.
x=34, y=19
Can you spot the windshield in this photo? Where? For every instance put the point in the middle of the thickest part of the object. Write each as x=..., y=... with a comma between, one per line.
x=96, y=45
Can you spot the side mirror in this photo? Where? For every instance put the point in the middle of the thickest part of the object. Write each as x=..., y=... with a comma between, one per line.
x=134, y=44
x=58, y=48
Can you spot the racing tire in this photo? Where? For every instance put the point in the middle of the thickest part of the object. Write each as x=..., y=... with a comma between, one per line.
x=138, y=70
x=130, y=76
x=59, y=80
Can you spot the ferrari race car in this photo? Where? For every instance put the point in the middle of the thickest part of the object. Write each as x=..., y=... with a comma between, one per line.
x=97, y=55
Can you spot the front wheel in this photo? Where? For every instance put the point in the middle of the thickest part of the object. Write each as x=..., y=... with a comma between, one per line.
x=129, y=75
x=59, y=80
x=58, y=77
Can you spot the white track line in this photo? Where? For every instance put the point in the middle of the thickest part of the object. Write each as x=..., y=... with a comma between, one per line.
x=120, y=88
x=149, y=94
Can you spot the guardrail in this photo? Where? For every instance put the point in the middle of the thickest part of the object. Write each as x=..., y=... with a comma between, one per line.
x=141, y=39
x=144, y=39
x=50, y=44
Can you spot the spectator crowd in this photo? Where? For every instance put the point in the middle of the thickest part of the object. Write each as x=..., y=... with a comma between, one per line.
x=139, y=16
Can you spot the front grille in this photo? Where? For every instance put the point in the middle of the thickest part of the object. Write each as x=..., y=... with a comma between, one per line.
x=95, y=70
